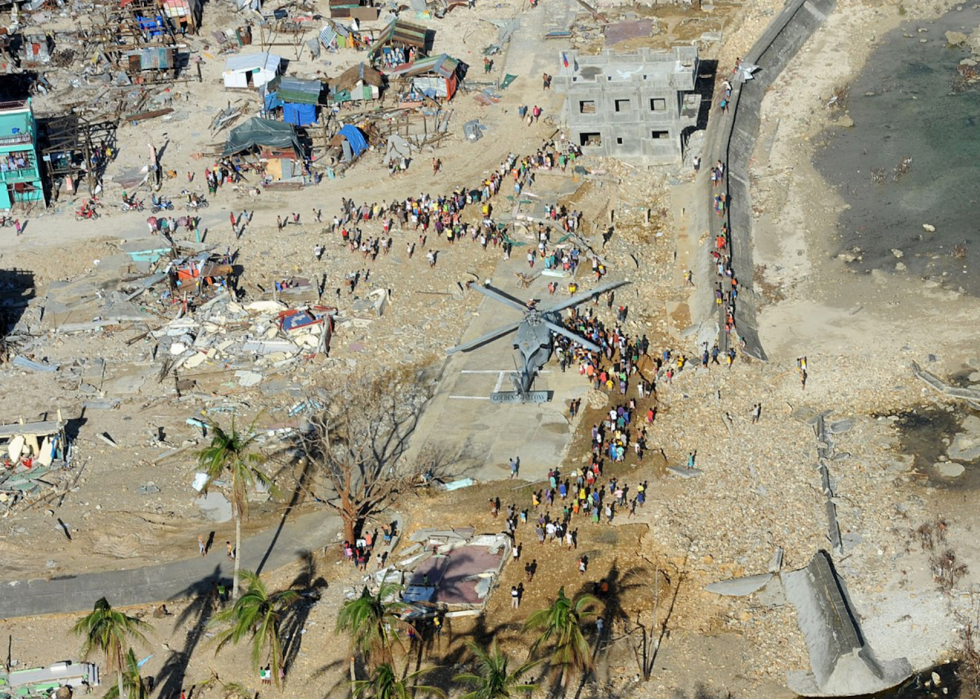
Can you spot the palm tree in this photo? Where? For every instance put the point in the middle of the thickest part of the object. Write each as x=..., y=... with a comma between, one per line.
x=372, y=620
x=257, y=614
x=106, y=630
x=384, y=684
x=561, y=624
x=133, y=684
x=231, y=453
x=491, y=679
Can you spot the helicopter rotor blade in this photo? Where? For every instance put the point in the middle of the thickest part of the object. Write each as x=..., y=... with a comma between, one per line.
x=585, y=296
x=555, y=328
x=484, y=339
x=501, y=296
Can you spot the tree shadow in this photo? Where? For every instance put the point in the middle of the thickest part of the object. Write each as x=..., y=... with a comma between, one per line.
x=664, y=631
x=610, y=591
x=701, y=691
x=451, y=650
x=309, y=585
x=171, y=677
x=294, y=500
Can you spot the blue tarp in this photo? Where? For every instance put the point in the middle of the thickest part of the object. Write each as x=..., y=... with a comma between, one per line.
x=299, y=114
x=272, y=101
x=355, y=138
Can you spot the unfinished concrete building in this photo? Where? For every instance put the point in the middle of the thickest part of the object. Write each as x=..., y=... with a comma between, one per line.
x=638, y=107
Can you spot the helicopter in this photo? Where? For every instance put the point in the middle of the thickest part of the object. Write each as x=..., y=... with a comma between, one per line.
x=534, y=339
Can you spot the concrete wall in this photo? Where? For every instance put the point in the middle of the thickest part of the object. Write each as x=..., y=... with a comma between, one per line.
x=772, y=52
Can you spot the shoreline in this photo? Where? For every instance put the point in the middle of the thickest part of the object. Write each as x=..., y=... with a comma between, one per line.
x=860, y=333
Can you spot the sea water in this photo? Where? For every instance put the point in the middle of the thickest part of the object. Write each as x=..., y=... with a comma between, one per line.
x=911, y=100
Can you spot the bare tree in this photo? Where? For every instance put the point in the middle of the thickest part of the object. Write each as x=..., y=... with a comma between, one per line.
x=359, y=438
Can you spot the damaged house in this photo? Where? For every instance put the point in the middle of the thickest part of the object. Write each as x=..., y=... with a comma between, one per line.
x=276, y=144
x=400, y=42
x=298, y=98
x=453, y=569
x=436, y=77
x=252, y=71
x=638, y=107
x=356, y=84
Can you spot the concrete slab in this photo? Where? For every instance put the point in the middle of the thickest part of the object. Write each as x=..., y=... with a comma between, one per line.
x=479, y=437
x=739, y=587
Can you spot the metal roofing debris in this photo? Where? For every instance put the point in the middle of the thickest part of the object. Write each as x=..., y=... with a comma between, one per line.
x=442, y=65
x=25, y=363
x=473, y=130
x=40, y=429
x=739, y=587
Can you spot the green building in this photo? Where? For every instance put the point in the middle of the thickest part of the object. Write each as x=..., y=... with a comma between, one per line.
x=20, y=166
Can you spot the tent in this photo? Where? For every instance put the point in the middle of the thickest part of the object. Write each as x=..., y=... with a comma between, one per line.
x=262, y=132
x=352, y=141
x=252, y=71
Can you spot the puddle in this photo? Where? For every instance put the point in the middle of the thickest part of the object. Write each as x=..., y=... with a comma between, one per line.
x=928, y=433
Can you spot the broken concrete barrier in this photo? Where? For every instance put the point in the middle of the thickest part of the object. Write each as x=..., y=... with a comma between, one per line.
x=842, y=663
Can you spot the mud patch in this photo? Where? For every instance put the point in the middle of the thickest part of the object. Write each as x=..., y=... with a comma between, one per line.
x=928, y=433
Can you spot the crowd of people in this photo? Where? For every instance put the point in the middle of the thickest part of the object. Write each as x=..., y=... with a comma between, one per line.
x=446, y=217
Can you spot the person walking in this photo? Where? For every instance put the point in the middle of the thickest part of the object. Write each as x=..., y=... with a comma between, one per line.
x=203, y=547
x=515, y=597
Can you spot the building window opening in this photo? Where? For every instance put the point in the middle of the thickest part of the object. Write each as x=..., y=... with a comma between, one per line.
x=586, y=107
x=622, y=105
x=658, y=104
x=590, y=139
x=657, y=135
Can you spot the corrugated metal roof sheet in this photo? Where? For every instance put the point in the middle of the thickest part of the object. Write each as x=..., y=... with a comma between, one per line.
x=443, y=65
x=298, y=90
x=154, y=57
x=269, y=61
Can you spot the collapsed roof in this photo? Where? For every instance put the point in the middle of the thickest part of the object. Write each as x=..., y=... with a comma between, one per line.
x=262, y=132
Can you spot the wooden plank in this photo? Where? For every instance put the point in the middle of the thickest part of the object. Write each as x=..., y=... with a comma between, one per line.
x=149, y=115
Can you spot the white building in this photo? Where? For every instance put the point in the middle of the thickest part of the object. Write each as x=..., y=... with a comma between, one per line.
x=251, y=72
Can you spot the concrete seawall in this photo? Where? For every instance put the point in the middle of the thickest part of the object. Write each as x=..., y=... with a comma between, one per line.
x=772, y=52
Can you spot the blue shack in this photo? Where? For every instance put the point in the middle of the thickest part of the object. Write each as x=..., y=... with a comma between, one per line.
x=299, y=99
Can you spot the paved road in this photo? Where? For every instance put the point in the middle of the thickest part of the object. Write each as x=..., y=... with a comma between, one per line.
x=268, y=550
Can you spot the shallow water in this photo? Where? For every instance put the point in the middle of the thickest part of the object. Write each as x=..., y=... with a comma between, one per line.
x=910, y=101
